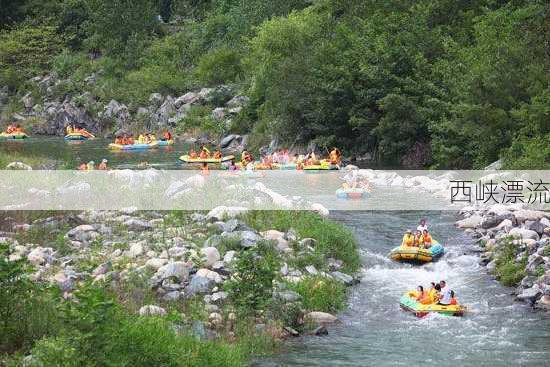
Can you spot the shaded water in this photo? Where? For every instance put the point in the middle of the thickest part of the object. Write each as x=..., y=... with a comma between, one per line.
x=76, y=152
x=374, y=331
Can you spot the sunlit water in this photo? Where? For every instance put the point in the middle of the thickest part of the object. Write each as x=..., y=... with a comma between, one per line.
x=374, y=331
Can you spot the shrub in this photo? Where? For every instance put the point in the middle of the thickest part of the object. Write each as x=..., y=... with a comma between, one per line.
x=250, y=289
x=27, y=310
x=507, y=269
x=333, y=239
x=321, y=294
x=56, y=351
x=222, y=65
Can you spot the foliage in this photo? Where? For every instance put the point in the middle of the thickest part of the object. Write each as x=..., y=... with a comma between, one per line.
x=221, y=65
x=26, y=51
x=27, y=310
x=333, y=239
x=256, y=268
x=321, y=294
x=508, y=269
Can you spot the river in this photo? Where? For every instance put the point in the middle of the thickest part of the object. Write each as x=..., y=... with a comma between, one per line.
x=374, y=331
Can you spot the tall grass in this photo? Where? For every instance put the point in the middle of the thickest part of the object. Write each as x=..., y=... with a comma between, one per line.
x=333, y=239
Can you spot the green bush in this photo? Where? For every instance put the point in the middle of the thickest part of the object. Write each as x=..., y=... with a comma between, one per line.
x=321, y=294
x=199, y=119
x=222, y=65
x=509, y=271
x=27, y=310
x=25, y=51
x=251, y=286
x=333, y=239
x=56, y=351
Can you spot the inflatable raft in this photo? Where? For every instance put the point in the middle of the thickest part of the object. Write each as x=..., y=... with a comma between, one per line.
x=185, y=158
x=133, y=146
x=323, y=166
x=356, y=193
x=286, y=166
x=409, y=303
x=165, y=143
x=417, y=254
x=17, y=136
x=78, y=137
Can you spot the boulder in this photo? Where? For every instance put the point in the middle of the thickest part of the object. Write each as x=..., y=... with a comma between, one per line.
x=212, y=275
x=137, y=225
x=287, y=296
x=473, y=221
x=238, y=101
x=218, y=113
x=211, y=254
x=135, y=250
x=320, y=331
x=177, y=269
x=320, y=318
x=343, y=278
x=199, y=285
x=225, y=212
x=82, y=233
x=523, y=215
x=530, y=295
x=19, y=166
x=152, y=310
x=536, y=226
x=187, y=99
x=155, y=99
x=523, y=233
x=155, y=263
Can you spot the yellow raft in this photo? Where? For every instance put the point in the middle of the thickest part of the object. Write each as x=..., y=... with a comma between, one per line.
x=18, y=135
x=185, y=158
x=323, y=165
x=409, y=303
x=417, y=254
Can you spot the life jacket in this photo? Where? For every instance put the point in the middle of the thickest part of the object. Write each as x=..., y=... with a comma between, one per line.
x=203, y=154
x=426, y=239
x=408, y=240
x=217, y=155
x=418, y=240
x=167, y=135
x=192, y=154
x=453, y=301
x=69, y=129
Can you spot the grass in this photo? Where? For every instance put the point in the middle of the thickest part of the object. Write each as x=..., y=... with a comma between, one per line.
x=35, y=161
x=333, y=239
x=321, y=294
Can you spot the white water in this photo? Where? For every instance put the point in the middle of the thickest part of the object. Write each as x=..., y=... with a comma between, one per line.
x=495, y=331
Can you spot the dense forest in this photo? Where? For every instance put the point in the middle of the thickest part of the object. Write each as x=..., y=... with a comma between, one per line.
x=426, y=83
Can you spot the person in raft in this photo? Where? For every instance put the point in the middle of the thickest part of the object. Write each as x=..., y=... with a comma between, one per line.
x=166, y=135
x=217, y=154
x=204, y=169
x=103, y=165
x=408, y=239
x=335, y=156
x=205, y=153
x=445, y=296
x=422, y=225
x=426, y=239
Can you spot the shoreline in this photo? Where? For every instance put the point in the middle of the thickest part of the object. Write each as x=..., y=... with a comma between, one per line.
x=515, y=248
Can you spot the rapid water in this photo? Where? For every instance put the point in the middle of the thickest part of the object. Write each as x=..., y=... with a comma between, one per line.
x=374, y=331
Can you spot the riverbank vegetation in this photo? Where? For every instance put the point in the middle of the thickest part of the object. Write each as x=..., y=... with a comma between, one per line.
x=441, y=84
x=160, y=288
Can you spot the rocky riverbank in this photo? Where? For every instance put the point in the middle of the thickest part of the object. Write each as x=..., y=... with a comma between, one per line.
x=515, y=246
x=216, y=271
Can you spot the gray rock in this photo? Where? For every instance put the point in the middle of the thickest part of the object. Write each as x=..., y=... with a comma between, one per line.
x=530, y=295
x=213, y=241
x=198, y=217
x=187, y=99
x=219, y=297
x=211, y=254
x=312, y=270
x=473, y=221
x=199, y=330
x=287, y=296
x=523, y=233
x=320, y=331
x=218, y=113
x=291, y=331
x=535, y=226
x=199, y=285
x=233, y=225
x=137, y=225
x=178, y=270
x=19, y=166
x=152, y=310
x=238, y=101
x=155, y=99
x=172, y=296
x=246, y=238
x=343, y=278
x=320, y=318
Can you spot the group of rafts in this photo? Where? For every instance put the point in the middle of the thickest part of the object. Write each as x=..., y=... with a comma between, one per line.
x=280, y=159
x=421, y=248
